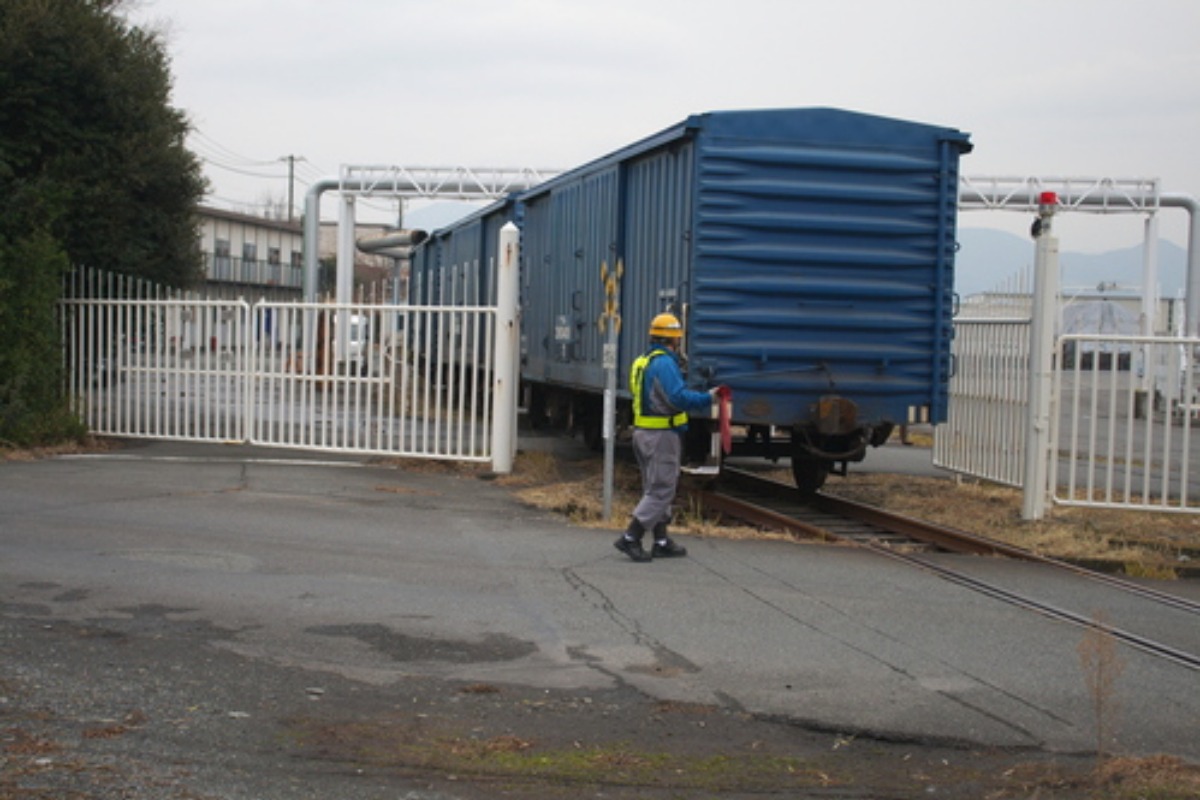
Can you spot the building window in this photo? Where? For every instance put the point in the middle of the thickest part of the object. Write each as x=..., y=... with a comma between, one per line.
x=273, y=255
x=222, y=267
x=249, y=251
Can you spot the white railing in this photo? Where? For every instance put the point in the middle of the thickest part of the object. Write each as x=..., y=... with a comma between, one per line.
x=401, y=380
x=1123, y=411
x=408, y=381
x=1127, y=405
x=163, y=368
x=984, y=434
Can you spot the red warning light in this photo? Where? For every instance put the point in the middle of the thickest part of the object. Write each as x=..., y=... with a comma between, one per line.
x=1048, y=198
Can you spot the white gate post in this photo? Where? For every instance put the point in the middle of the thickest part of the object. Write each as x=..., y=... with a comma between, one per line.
x=504, y=381
x=1041, y=364
x=346, y=246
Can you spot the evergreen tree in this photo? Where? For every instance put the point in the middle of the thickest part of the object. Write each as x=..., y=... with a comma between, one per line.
x=94, y=172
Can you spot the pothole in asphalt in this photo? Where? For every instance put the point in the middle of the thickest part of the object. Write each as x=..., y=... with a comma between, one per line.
x=403, y=647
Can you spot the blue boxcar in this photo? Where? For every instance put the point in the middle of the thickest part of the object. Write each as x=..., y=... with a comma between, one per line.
x=810, y=253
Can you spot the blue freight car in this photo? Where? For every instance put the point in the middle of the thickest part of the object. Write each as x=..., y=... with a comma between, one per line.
x=810, y=253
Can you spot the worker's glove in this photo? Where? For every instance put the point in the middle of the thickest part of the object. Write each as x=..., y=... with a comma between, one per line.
x=721, y=392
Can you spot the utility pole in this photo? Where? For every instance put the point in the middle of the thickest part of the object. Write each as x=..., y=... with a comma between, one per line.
x=291, y=162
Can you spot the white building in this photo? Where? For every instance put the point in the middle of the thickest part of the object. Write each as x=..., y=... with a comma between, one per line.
x=251, y=257
x=255, y=257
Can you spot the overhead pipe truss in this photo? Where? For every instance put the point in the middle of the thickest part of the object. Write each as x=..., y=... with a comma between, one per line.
x=457, y=183
x=1097, y=196
x=1094, y=195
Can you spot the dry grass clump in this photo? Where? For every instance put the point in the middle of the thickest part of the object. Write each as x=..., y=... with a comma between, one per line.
x=1156, y=776
x=575, y=489
x=89, y=444
x=1148, y=543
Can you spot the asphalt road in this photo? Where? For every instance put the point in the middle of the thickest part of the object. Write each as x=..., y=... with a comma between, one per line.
x=344, y=574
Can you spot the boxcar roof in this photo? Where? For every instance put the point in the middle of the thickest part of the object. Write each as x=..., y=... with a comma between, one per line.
x=814, y=125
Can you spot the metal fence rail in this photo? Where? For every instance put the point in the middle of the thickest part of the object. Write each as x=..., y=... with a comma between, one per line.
x=1123, y=409
x=1124, y=427
x=162, y=368
x=408, y=381
x=984, y=434
x=399, y=380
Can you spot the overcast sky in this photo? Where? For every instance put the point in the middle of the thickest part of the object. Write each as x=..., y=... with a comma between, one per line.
x=1095, y=88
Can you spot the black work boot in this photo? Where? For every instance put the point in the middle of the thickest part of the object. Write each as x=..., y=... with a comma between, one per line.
x=664, y=545
x=630, y=542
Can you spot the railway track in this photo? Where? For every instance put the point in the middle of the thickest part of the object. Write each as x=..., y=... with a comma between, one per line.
x=767, y=503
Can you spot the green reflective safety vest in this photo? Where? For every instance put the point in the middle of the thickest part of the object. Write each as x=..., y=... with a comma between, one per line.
x=641, y=420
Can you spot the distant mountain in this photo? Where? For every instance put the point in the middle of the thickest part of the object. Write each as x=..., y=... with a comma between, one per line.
x=989, y=257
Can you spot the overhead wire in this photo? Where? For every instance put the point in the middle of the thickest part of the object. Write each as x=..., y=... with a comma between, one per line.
x=225, y=153
x=303, y=172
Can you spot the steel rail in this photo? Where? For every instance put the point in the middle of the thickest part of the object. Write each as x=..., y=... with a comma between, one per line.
x=949, y=539
x=1181, y=657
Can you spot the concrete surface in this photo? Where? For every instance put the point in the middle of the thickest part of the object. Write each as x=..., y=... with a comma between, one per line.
x=336, y=566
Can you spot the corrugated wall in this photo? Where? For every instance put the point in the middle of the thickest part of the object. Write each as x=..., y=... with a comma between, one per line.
x=823, y=261
x=657, y=242
x=570, y=232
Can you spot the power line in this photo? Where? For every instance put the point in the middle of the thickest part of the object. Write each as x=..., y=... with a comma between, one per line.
x=240, y=171
x=225, y=153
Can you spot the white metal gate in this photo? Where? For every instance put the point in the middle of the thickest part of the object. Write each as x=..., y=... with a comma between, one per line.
x=396, y=380
x=984, y=433
x=1123, y=412
x=1126, y=409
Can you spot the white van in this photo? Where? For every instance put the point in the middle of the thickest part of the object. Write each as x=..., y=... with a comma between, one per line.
x=358, y=345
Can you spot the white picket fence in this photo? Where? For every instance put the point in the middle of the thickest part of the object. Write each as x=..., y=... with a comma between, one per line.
x=397, y=380
x=1122, y=413
x=1126, y=410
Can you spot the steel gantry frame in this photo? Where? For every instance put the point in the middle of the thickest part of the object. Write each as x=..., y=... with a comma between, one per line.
x=456, y=183
x=1039, y=435
x=1100, y=196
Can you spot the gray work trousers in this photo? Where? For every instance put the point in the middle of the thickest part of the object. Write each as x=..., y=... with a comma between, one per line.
x=658, y=455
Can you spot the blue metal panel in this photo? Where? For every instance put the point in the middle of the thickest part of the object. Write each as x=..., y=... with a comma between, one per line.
x=572, y=231
x=658, y=242
x=823, y=261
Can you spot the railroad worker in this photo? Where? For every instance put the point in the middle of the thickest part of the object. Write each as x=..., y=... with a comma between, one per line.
x=661, y=401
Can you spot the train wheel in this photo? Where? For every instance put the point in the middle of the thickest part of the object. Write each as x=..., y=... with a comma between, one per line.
x=539, y=414
x=593, y=434
x=809, y=473
x=589, y=418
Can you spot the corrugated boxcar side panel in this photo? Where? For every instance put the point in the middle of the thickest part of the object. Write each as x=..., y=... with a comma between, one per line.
x=564, y=291
x=824, y=263
x=490, y=246
x=455, y=267
x=658, y=220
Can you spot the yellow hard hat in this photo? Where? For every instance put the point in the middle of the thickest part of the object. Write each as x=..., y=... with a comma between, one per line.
x=666, y=326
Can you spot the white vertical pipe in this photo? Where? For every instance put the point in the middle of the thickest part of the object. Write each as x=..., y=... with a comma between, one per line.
x=1150, y=305
x=1041, y=366
x=1150, y=276
x=504, y=382
x=345, y=278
